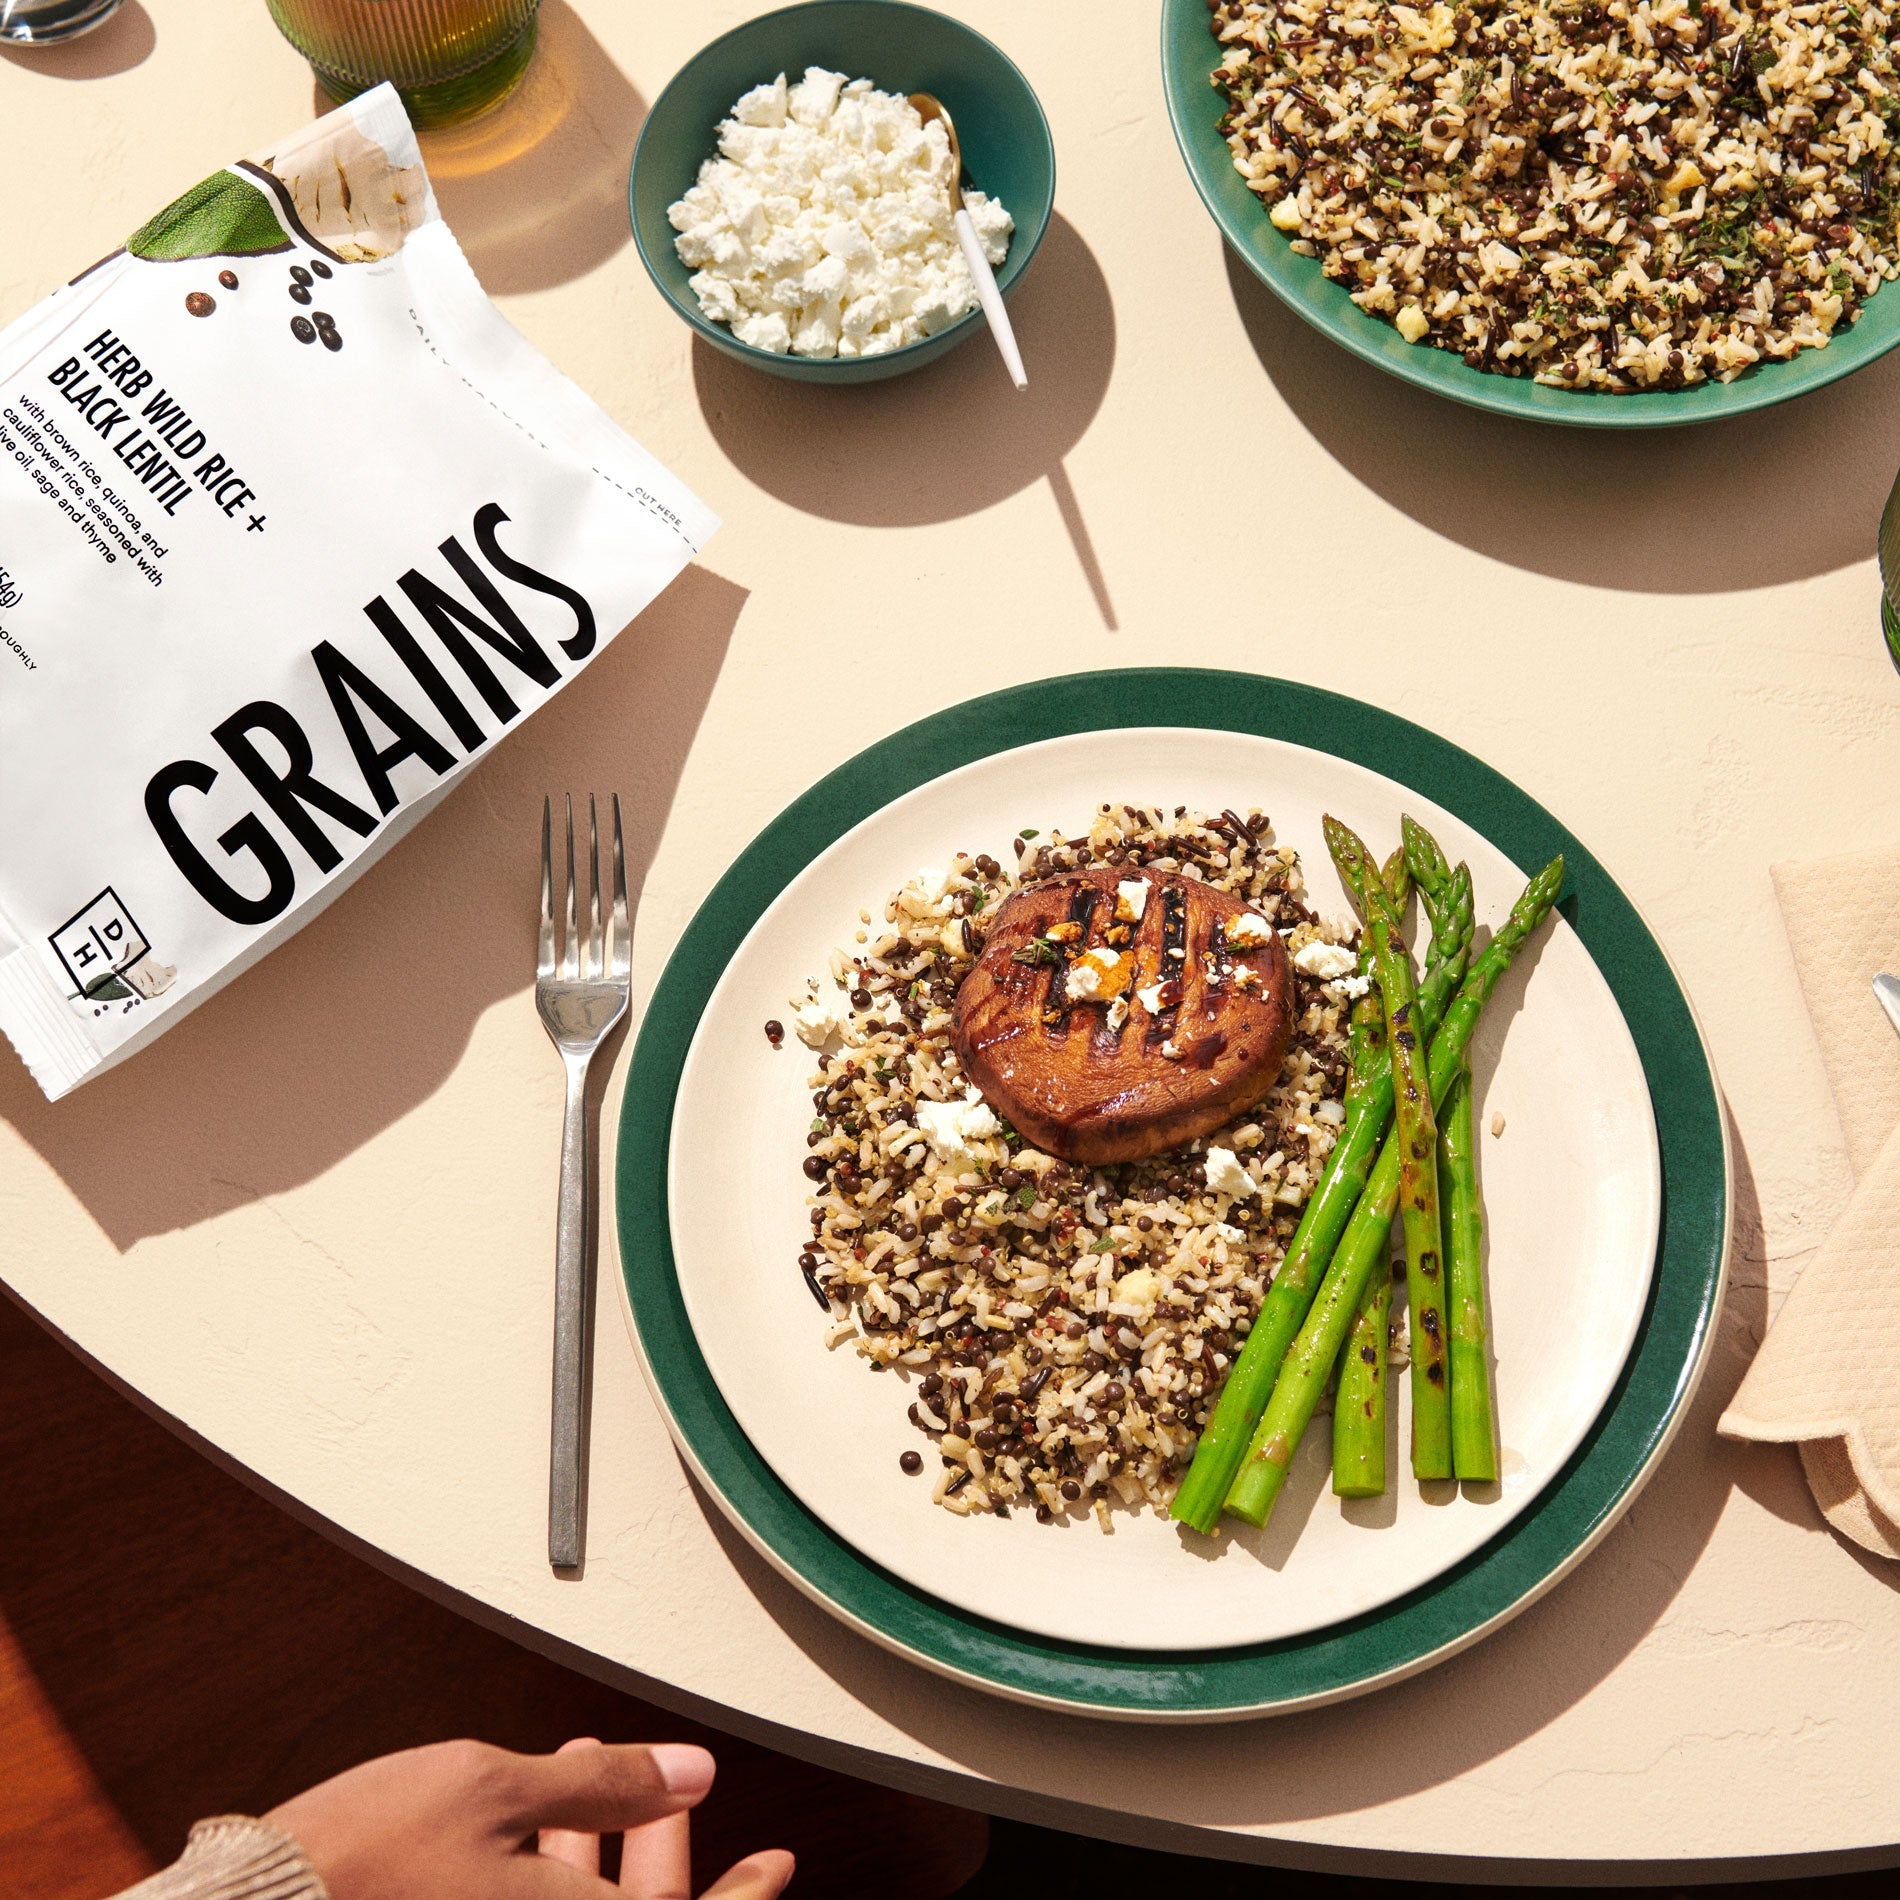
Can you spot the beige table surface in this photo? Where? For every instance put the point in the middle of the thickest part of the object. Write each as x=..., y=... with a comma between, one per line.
x=313, y=1225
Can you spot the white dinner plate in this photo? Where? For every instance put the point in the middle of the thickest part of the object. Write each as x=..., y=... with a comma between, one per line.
x=1568, y=1164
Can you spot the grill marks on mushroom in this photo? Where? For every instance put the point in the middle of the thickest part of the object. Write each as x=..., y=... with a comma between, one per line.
x=1185, y=1028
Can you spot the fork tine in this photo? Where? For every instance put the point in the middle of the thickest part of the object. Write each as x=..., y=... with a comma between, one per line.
x=596, y=965
x=571, y=950
x=544, y=953
x=623, y=947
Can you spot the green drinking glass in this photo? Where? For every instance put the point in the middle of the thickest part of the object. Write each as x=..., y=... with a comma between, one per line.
x=449, y=59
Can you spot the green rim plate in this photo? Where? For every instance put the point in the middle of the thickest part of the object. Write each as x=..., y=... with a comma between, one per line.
x=1345, y=1659
x=1188, y=58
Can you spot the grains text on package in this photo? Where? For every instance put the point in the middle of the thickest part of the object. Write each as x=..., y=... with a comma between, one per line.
x=470, y=620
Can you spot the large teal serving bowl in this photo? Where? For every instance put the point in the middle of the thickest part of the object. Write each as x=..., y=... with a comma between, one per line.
x=1188, y=58
x=1007, y=150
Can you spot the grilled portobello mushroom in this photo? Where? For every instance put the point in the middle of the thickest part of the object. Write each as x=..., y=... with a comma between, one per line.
x=1109, y=1023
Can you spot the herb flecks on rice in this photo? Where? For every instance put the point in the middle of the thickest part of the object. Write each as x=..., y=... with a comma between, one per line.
x=1643, y=194
x=1066, y=1327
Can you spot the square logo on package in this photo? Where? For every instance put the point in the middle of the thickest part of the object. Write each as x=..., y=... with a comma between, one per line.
x=99, y=942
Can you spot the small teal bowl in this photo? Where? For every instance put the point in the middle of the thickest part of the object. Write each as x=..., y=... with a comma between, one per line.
x=1007, y=150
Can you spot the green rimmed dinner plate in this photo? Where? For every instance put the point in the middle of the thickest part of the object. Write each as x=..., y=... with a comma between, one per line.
x=1453, y=1608
x=1188, y=57
x=1572, y=1203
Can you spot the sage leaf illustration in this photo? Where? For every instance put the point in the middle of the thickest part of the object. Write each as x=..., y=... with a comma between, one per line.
x=221, y=216
x=105, y=989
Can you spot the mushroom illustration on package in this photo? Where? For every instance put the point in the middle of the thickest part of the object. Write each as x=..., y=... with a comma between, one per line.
x=293, y=527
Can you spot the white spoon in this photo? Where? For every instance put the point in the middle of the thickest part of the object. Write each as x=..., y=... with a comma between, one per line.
x=929, y=107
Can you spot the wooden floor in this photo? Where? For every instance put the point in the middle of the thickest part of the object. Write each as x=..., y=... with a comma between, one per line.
x=172, y=1646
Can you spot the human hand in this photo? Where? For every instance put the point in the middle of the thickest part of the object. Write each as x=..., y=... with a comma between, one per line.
x=459, y=1821
x=656, y=1861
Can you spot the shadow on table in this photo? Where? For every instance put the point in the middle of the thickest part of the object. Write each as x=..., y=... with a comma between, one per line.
x=536, y=190
x=1446, y=1722
x=122, y=42
x=364, y=1013
x=944, y=441
x=1779, y=495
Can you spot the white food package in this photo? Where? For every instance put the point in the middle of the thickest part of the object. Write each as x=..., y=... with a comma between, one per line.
x=293, y=527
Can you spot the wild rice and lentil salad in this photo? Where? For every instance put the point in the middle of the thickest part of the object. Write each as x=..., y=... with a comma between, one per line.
x=1064, y=1328
x=1601, y=194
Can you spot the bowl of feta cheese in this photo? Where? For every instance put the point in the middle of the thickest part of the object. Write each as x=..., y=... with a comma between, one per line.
x=795, y=208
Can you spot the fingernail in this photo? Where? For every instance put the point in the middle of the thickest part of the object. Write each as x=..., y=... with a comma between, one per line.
x=683, y=1768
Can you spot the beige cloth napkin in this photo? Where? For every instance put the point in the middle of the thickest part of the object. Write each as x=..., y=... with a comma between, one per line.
x=1828, y=1374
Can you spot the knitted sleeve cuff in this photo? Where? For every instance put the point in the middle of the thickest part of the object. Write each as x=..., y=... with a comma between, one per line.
x=234, y=1857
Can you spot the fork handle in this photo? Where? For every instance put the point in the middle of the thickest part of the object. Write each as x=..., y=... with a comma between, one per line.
x=570, y=1319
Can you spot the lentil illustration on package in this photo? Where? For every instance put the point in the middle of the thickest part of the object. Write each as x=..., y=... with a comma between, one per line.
x=293, y=527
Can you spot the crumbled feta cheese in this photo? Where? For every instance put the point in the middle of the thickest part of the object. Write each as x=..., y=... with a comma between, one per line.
x=824, y=226
x=768, y=331
x=951, y=1127
x=1100, y=972
x=1228, y=1233
x=763, y=105
x=1131, y=899
x=994, y=226
x=1225, y=1175
x=815, y=96
x=818, y=1020
x=1140, y=1288
x=1117, y=1013
x=1349, y=988
x=1325, y=960
x=1333, y=1113
x=1172, y=1050
x=1150, y=999
x=1249, y=931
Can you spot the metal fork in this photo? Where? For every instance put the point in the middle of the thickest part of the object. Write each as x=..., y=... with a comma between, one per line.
x=580, y=1001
